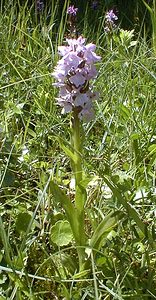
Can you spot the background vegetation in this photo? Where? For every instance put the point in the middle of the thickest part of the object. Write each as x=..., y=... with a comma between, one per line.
x=119, y=157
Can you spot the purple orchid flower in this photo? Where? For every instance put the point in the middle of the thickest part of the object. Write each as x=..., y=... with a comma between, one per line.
x=111, y=16
x=73, y=72
x=72, y=10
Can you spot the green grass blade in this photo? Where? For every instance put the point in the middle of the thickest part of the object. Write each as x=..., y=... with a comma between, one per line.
x=129, y=208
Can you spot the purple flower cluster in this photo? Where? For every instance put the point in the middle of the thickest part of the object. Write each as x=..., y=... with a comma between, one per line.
x=39, y=6
x=110, y=19
x=94, y=4
x=110, y=16
x=73, y=73
x=72, y=10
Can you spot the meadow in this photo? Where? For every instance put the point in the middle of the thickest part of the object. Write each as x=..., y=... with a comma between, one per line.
x=40, y=253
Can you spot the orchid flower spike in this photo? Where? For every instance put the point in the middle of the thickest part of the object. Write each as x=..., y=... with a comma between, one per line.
x=73, y=72
x=72, y=10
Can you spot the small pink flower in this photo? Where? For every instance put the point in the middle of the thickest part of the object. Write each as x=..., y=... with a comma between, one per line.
x=72, y=10
x=81, y=99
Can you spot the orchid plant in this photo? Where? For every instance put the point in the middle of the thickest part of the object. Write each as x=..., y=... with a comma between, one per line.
x=110, y=19
x=73, y=73
x=110, y=26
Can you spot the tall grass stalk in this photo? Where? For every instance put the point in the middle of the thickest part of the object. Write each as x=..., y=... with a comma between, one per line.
x=152, y=11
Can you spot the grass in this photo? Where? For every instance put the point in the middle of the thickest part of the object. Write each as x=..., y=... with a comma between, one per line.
x=119, y=157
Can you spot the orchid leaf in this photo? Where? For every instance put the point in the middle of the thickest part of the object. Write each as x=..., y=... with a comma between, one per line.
x=67, y=205
x=67, y=149
x=103, y=230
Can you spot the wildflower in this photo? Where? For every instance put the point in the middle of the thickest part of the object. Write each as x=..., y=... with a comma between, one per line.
x=39, y=5
x=72, y=10
x=73, y=72
x=71, y=21
x=110, y=19
x=94, y=4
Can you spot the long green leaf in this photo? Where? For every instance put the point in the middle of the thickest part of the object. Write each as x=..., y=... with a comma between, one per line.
x=148, y=7
x=102, y=230
x=71, y=212
x=66, y=149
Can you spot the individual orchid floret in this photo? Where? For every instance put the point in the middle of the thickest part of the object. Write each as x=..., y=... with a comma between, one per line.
x=73, y=72
x=72, y=10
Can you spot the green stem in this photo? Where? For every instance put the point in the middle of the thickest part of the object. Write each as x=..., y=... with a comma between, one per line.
x=77, y=145
x=80, y=192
